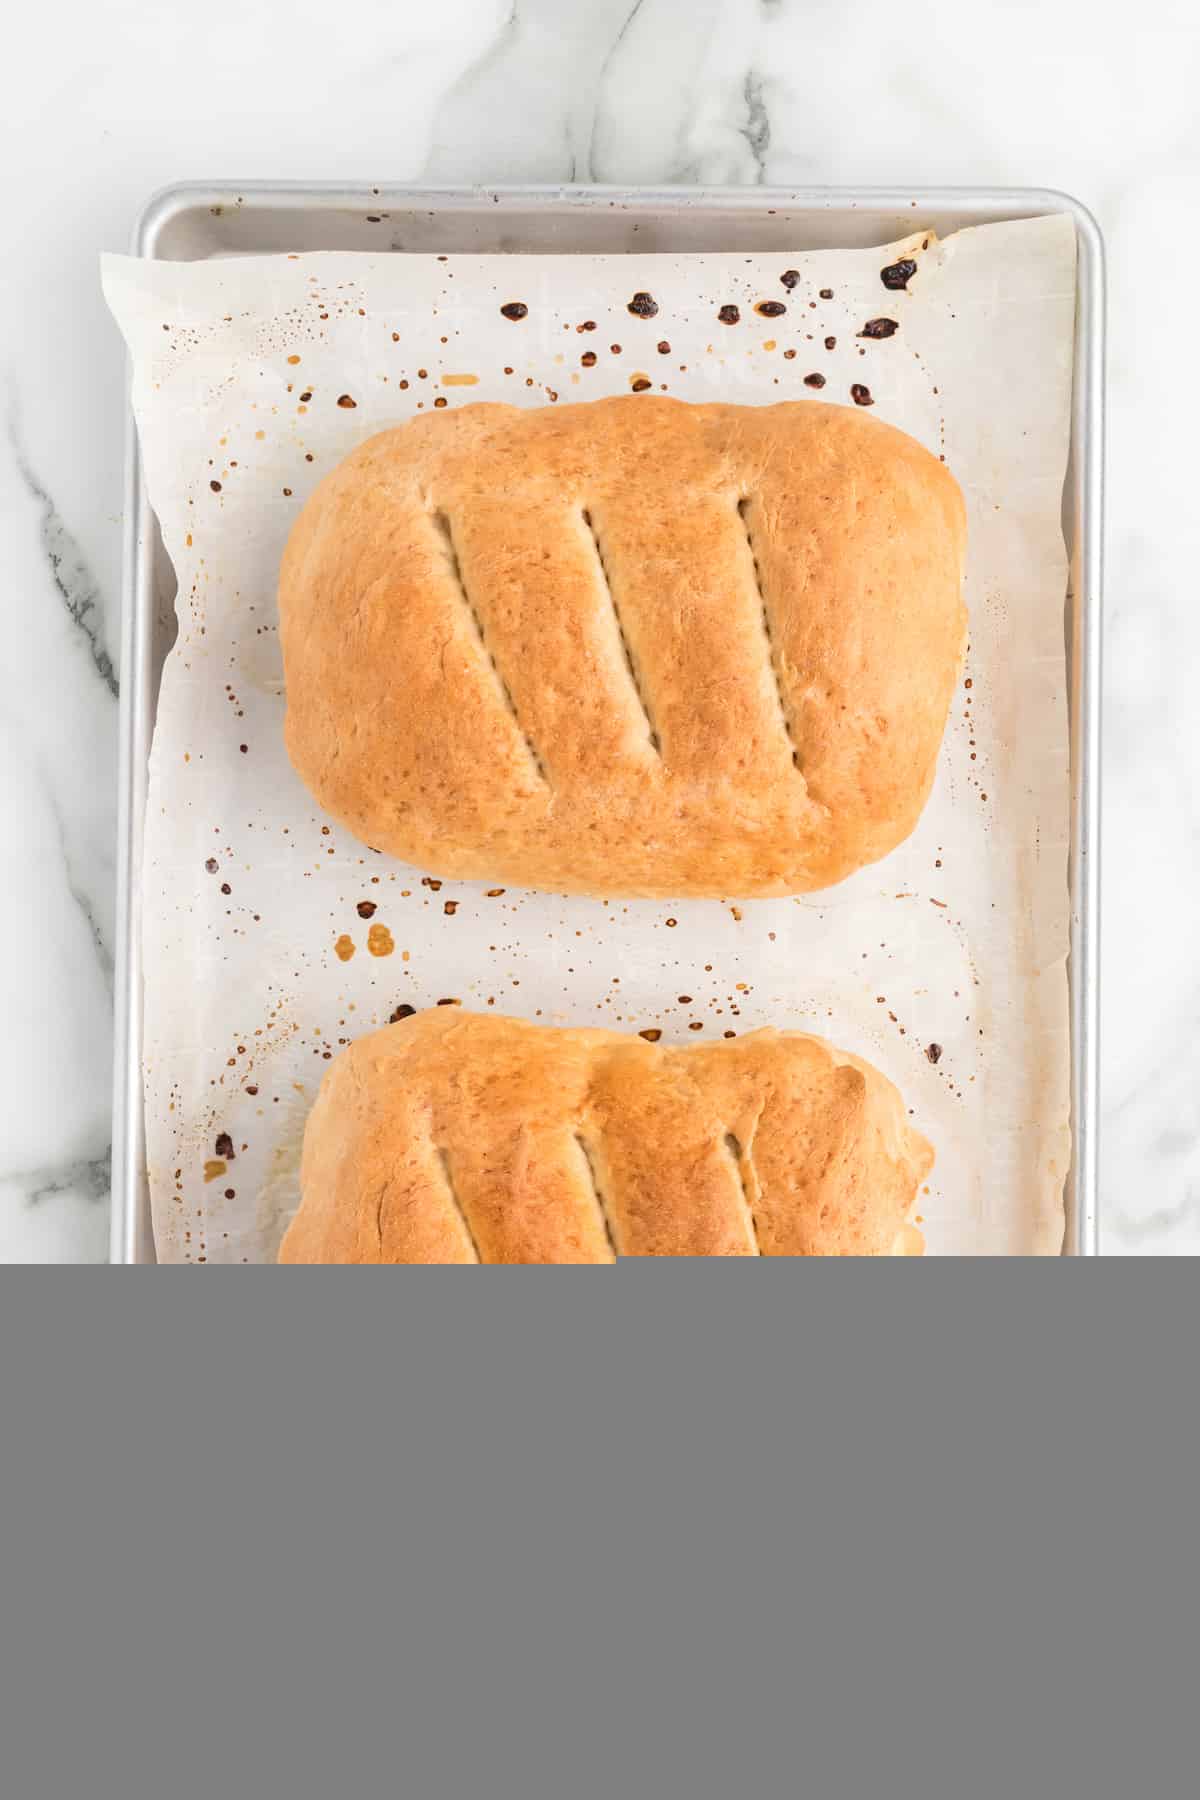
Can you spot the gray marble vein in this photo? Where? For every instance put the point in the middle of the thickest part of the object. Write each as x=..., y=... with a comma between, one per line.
x=632, y=14
x=76, y=585
x=681, y=99
x=757, y=129
x=1160, y=1224
x=64, y=737
x=90, y=1179
x=77, y=879
x=58, y=720
x=525, y=108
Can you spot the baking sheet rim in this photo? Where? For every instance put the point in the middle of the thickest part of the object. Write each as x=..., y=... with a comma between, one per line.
x=131, y=1232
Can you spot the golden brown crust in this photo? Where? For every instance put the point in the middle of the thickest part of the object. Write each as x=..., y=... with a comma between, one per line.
x=633, y=646
x=464, y=1137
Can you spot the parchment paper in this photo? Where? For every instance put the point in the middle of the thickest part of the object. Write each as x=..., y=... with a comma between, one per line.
x=945, y=964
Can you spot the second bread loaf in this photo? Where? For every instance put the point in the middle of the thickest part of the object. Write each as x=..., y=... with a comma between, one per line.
x=465, y=1137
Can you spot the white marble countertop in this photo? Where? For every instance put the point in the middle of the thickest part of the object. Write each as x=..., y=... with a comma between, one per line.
x=104, y=105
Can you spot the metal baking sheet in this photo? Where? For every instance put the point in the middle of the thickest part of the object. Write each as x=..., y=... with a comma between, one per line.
x=193, y=221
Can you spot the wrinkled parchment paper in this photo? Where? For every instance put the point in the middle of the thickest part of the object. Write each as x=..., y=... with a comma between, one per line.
x=945, y=964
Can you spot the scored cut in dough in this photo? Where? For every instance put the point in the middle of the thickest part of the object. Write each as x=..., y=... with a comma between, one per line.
x=628, y=647
x=465, y=1137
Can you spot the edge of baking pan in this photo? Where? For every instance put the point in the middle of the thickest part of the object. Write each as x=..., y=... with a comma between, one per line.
x=1084, y=505
x=168, y=214
x=131, y=1238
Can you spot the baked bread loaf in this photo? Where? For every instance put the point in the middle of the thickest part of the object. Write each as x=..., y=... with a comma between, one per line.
x=463, y=1137
x=630, y=647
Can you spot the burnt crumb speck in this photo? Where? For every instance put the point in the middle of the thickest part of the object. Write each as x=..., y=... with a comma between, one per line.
x=897, y=275
x=431, y=882
x=225, y=888
x=814, y=380
x=861, y=395
x=651, y=1035
x=831, y=343
x=664, y=348
x=790, y=277
x=643, y=306
x=827, y=293
x=215, y=486
x=729, y=315
x=879, y=328
x=401, y=1012
x=450, y=1002
x=934, y=1052
x=212, y=865
x=365, y=909
x=639, y=384
x=224, y=1146
x=771, y=309
x=346, y=400
x=588, y=359
x=252, y=1088
x=790, y=355
x=449, y=907
x=307, y=394
x=514, y=310
x=588, y=325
